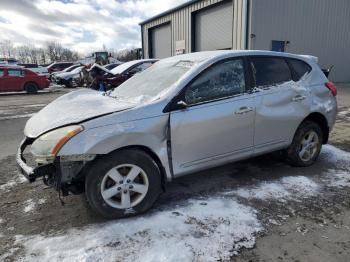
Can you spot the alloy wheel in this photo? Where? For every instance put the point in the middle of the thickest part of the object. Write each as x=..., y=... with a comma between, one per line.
x=124, y=186
x=309, y=146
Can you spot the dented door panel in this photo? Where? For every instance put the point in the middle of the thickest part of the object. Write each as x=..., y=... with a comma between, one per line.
x=279, y=111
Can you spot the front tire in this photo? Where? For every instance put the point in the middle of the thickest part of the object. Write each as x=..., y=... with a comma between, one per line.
x=123, y=184
x=306, y=145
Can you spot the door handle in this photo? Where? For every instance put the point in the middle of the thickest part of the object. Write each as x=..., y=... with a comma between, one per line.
x=243, y=110
x=298, y=98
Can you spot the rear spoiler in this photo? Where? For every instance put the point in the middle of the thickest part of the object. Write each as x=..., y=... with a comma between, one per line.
x=314, y=59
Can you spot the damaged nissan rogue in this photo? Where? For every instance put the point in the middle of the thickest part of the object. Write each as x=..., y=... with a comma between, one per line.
x=183, y=114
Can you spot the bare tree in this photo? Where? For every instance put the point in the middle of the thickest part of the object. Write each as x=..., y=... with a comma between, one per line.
x=6, y=48
x=128, y=54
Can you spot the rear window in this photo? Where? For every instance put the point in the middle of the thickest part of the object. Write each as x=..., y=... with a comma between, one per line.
x=300, y=67
x=15, y=72
x=269, y=71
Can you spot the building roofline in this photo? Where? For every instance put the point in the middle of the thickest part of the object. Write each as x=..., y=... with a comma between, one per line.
x=168, y=11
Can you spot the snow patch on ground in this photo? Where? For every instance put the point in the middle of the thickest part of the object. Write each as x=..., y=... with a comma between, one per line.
x=340, y=175
x=205, y=230
x=340, y=179
x=29, y=206
x=286, y=188
x=19, y=179
x=335, y=156
x=42, y=201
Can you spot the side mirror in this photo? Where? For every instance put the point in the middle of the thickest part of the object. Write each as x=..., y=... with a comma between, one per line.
x=181, y=105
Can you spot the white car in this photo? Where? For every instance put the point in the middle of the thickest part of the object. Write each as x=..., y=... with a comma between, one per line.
x=181, y=115
x=68, y=79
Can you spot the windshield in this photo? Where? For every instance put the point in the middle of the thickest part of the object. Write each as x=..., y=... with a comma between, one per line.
x=150, y=83
x=120, y=69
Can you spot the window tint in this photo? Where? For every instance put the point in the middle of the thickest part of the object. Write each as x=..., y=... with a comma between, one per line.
x=2, y=72
x=15, y=72
x=221, y=80
x=300, y=68
x=270, y=71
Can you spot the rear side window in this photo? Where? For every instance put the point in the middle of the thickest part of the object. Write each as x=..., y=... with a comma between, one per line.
x=269, y=71
x=15, y=72
x=2, y=72
x=300, y=67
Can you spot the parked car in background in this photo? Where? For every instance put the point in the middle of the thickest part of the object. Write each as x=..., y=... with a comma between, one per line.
x=71, y=78
x=123, y=72
x=40, y=70
x=113, y=78
x=58, y=66
x=111, y=66
x=68, y=69
x=184, y=114
x=8, y=61
x=21, y=79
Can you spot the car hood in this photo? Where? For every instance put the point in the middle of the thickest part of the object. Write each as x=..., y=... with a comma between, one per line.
x=73, y=108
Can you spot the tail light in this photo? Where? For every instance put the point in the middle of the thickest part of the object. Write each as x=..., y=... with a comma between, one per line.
x=331, y=86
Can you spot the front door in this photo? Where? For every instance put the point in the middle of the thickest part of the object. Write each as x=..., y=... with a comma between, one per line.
x=217, y=125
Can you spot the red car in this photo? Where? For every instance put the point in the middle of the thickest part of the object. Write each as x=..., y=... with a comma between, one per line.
x=21, y=79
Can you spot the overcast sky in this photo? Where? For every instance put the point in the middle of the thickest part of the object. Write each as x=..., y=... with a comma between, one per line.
x=83, y=25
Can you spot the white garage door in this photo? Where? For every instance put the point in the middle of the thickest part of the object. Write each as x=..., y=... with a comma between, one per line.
x=213, y=27
x=161, y=41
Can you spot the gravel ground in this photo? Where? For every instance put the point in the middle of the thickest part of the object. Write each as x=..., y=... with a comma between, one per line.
x=255, y=210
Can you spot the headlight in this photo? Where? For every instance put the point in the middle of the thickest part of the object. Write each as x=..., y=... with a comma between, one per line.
x=50, y=143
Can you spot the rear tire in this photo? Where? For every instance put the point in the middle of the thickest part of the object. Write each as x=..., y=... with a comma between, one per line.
x=306, y=145
x=123, y=184
x=31, y=88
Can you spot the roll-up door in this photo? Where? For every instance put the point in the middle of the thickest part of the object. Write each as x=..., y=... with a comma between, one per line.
x=161, y=41
x=213, y=27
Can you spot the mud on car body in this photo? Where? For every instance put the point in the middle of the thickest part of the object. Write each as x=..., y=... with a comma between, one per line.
x=183, y=114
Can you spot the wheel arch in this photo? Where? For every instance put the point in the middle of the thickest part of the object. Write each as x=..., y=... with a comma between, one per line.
x=152, y=154
x=321, y=120
x=30, y=82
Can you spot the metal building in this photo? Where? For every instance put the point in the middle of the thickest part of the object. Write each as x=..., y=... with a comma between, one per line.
x=315, y=27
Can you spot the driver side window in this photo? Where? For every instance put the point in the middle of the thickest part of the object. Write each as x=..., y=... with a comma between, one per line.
x=221, y=80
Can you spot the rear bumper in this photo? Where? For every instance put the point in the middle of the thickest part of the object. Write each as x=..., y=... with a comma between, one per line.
x=31, y=173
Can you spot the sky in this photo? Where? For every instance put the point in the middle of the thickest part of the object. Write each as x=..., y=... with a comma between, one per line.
x=82, y=25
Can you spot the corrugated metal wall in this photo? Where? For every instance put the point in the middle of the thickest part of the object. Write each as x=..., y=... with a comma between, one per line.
x=316, y=27
x=181, y=28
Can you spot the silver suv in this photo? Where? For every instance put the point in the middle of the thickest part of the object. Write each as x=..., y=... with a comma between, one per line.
x=183, y=114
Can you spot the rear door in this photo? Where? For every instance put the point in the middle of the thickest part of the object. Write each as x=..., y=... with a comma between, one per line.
x=217, y=125
x=281, y=104
x=15, y=79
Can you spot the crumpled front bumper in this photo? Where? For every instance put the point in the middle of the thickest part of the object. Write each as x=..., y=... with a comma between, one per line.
x=31, y=173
